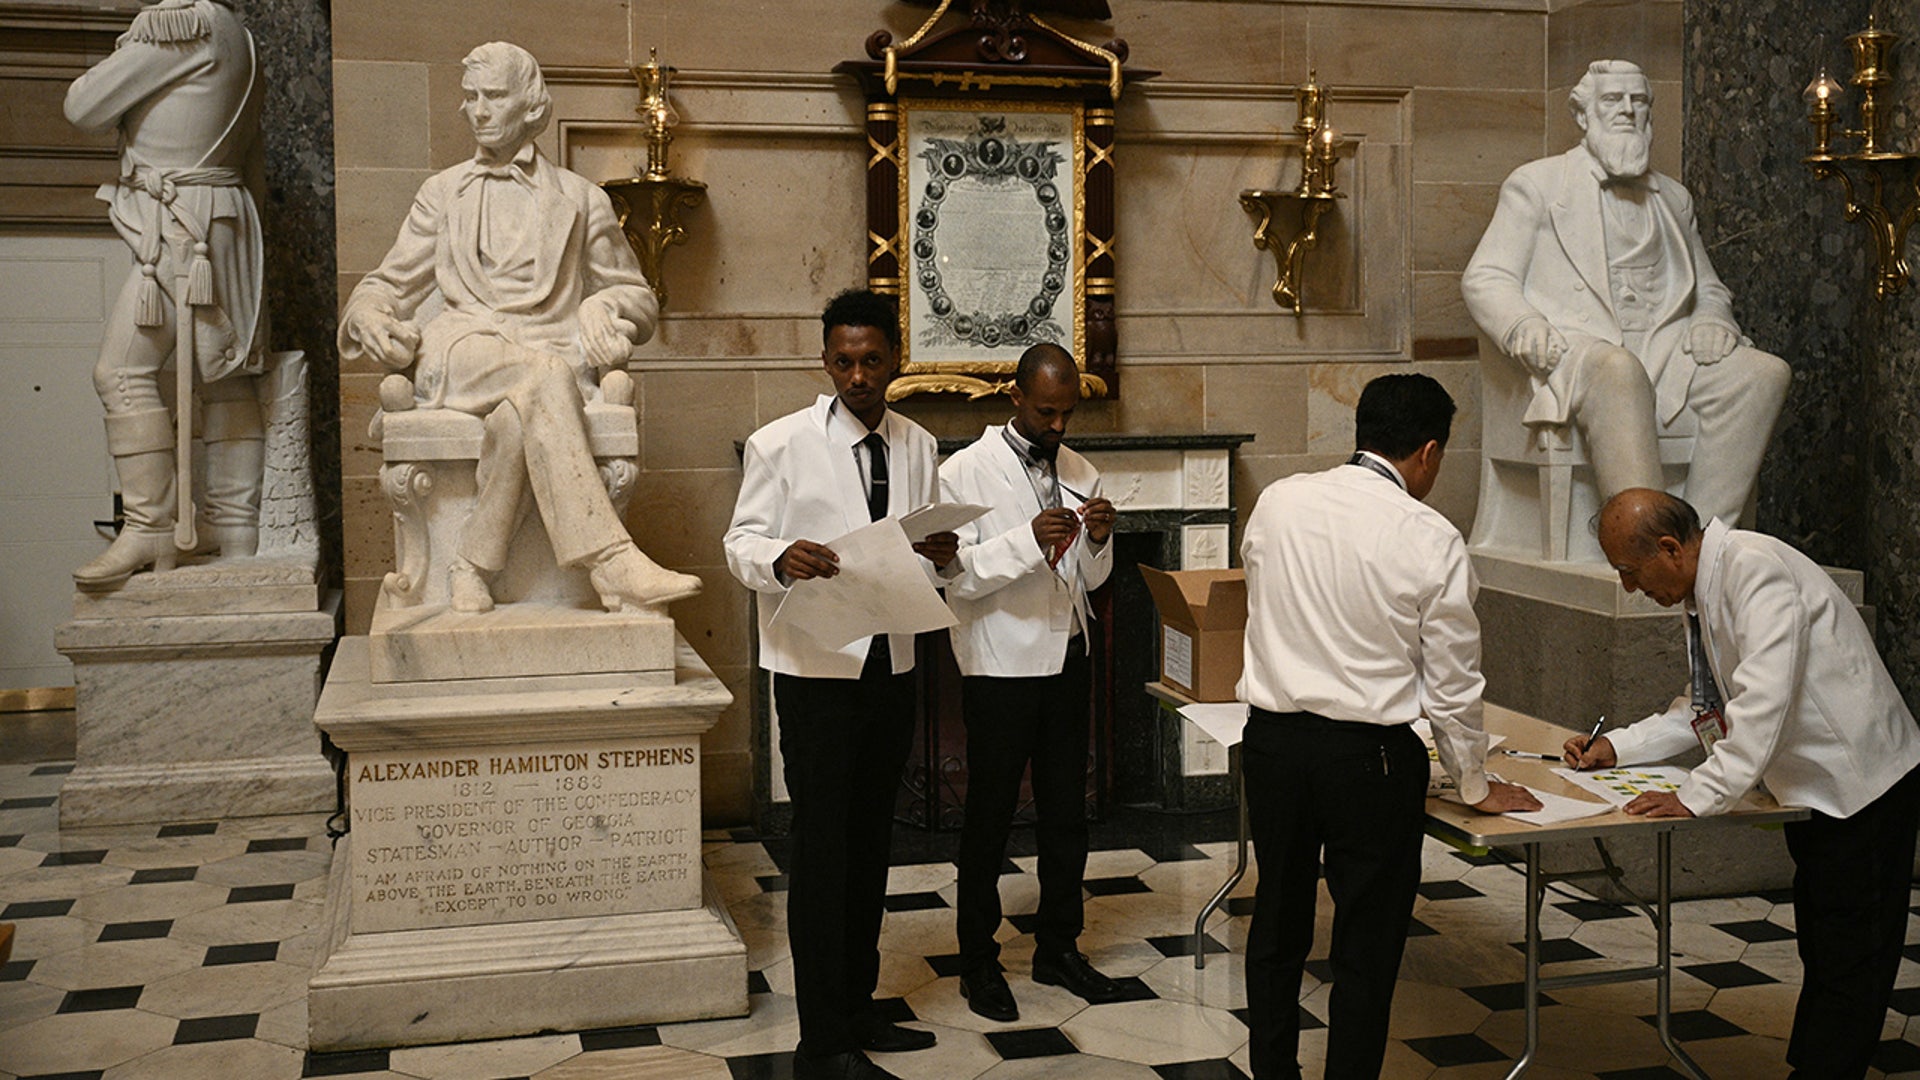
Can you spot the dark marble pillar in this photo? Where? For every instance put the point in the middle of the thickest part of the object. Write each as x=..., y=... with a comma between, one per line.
x=295, y=40
x=1842, y=480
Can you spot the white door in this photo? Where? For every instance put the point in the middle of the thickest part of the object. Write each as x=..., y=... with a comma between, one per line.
x=55, y=477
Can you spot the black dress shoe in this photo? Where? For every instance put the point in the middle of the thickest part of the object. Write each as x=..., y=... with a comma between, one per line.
x=852, y=1065
x=885, y=1038
x=988, y=994
x=1071, y=972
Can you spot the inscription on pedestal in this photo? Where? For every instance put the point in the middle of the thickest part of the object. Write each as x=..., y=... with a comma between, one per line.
x=511, y=833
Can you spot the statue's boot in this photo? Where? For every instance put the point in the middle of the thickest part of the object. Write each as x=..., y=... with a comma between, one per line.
x=142, y=447
x=467, y=589
x=236, y=459
x=624, y=577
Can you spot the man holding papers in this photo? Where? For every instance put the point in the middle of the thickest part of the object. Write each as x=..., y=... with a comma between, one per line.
x=845, y=714
x=1359, y=621
x=1787, y=690
x=1019, y=587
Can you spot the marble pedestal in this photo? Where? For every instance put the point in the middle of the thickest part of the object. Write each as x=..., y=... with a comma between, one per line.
x=194, y=695
x=524, y=857
x=1563, y=642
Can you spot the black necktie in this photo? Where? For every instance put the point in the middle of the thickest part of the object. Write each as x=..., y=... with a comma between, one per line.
x=1706, y=694
x=876, y=476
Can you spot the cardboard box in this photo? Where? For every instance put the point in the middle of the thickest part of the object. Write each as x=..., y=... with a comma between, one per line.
x=1203, y=619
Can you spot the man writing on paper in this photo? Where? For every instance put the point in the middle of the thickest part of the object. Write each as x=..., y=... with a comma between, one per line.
x=845, y=715
x=1359, y=621
x=1787, y=691
x=1019, y=588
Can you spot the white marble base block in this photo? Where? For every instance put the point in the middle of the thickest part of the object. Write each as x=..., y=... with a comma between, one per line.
x=524, y=857
x=529, y=638
x=187, y=715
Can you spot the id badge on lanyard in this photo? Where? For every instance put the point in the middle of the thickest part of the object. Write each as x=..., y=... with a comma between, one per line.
x=1709, y=726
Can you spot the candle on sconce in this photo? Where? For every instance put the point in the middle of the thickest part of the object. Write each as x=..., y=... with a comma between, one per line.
x=1822, y=95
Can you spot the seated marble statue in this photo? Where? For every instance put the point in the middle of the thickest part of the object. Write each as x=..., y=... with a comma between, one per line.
x=1593, y=276
x=542, y=297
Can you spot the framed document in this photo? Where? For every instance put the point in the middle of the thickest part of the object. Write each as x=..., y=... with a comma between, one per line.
x=995, y=215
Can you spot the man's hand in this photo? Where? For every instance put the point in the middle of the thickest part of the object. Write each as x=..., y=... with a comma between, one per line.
x=1054, y=529
x=939, y=548
x=1657, y=804
x=1503, y=797
x=1710, y=342
x=1581, y=756
x=805, y=559
x=379, y=335
x=1099, y=514
x=605, y=338
x=1537, y=344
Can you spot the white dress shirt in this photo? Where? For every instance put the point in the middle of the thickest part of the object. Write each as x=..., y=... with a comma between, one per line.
x=805, y=478
x=1016, y=613
x=1360, y=608
x=1810, y=708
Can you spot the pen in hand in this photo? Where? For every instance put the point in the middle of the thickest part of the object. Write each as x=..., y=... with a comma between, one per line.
x=1576, y=757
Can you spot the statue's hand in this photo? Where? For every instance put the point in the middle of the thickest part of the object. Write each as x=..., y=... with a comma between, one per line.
x=388, y=340
x=605, y=338
x=1537, y=344
x=1710, y=342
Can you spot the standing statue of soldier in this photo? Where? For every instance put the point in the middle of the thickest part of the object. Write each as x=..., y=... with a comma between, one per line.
x=183, y=88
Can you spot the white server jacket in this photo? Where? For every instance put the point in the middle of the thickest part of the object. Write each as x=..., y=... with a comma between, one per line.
x=1810, y=708
x=1016, y=613
x=802, y=483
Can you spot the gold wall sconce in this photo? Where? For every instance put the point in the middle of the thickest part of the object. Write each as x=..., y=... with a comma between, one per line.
x=1315, y=195
x=1872, y=166
x=649, y=205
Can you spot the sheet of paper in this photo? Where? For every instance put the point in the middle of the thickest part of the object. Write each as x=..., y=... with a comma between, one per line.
x=880, y=589
x=1557, y=809
x=1619, y=785
x=1225, y=722
x=937, y=517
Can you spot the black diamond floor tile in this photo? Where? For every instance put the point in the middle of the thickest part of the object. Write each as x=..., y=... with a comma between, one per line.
x=73, y=858
x=1416, y=928
x=1320, y=969
x=1134, y=988
x=1595, y=910
x=52, y=770
x=201, y=828
x=1216, y=1069
x=84, y=1074
x=252, y=894
x=1559, y=950
x=1446, y=1051
x=161, y=875
x=619, y=1037
x=1727, y=975
x=1503, y=997
x=15, y=970
x=1755, y=930
x=1776, y=896
x=914, y=901
x=1239, y=905
x=1907, y=1002
x=1027, y=924
x=1307, y=1021
x=946, y=965
x=35, y=909
x=1692, y=1025
x=757, y=983
x=1896, y=1056
x=1651, y=1072
x=12, y=839
x=344, y=1063
x=1114, y=886
x=28, y=802
x=1182, y=945
x=1448, y=890
x=1488, y=859
x=255, y=952
x=772, y=882
x=102, y=999
x=216, y=1028
x=136, y=931
x=762, y=1067
x=894, y=1010
x=1031, y=1043
x=279, y=843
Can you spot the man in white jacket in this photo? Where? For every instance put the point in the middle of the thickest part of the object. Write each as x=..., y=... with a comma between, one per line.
x=1788, y=691
x=845, y=715
x=1019, y=587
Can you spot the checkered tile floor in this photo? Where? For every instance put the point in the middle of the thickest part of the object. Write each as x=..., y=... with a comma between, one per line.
x=182, y=952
